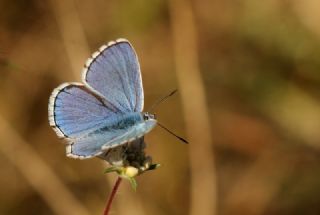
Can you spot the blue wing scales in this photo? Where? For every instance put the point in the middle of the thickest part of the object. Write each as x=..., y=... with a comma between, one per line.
x=91, y=146
x=75, y=111
x=114, y=73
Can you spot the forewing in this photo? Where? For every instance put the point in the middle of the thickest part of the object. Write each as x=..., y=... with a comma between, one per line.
x=114, y=73
x=75, y=111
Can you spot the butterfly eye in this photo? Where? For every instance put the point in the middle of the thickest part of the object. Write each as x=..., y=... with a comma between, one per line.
x=146, y=116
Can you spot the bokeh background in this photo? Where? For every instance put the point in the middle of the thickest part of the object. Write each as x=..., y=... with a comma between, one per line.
x=248, y=74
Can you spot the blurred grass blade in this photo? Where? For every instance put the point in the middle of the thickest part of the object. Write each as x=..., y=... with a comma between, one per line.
x=203, y=173
x=39, y=175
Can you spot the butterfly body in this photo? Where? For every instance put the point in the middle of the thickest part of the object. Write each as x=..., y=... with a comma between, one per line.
x=121, y=122
x=105, y=111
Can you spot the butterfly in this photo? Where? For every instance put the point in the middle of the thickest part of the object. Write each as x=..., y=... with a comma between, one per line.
x=105, y=111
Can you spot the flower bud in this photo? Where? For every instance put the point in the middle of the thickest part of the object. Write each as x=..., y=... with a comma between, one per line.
x=131, y=171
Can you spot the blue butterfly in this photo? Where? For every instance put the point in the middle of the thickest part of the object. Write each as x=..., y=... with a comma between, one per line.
x=105, y=111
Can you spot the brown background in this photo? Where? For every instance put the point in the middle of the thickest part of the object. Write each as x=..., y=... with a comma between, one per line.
x=259, y=63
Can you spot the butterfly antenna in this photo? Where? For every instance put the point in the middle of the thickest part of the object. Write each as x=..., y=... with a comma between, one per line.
x=161, y=100
x=180, y=138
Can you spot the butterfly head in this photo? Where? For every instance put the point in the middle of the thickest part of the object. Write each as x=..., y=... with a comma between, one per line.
x=148, y=116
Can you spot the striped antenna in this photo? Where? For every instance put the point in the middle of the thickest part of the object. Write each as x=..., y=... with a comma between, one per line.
x=161, y=100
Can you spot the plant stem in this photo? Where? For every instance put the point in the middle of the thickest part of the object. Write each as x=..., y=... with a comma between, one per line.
x=111, y=197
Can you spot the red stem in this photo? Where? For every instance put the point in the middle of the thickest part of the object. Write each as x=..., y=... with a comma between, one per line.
x=111, y=197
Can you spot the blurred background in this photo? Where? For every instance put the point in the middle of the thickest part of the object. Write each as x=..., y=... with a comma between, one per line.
x=248, y=74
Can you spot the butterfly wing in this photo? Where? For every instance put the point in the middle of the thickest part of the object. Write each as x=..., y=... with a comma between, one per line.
x=133, y=133
x=94, y=145
x=114, y=73
x=75, y=111
x=113, y=87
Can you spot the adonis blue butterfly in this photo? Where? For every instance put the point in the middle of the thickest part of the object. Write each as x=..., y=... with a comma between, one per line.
x=105, y=111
